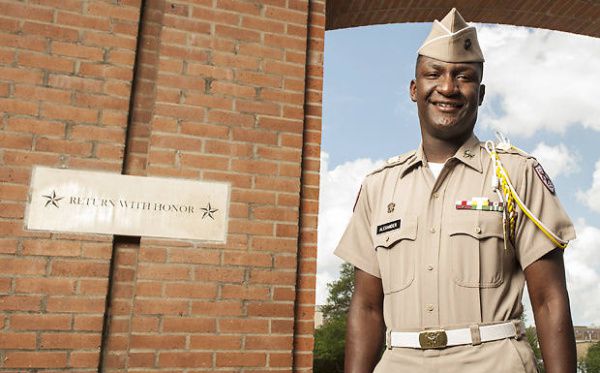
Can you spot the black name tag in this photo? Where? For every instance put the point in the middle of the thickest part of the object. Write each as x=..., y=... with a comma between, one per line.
x=388, y=226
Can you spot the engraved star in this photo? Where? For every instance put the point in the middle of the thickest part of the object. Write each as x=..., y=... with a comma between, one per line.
x=208, y=211
x=52, y=199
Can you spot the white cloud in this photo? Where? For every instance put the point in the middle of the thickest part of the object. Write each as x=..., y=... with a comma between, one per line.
x=591, y=197
x=338, y=191
x=539, y=79
x=582, y=264
x=556, y=160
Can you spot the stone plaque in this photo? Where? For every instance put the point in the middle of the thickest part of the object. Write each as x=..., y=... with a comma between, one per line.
x=99, y=202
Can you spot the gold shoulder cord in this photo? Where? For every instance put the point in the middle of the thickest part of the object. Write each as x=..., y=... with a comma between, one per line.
x=508, y=196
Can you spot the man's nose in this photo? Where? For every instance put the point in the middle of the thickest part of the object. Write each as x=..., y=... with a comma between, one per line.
x=447, y=85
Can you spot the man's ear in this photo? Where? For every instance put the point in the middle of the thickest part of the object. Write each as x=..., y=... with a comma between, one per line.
x=413, y=91
x=481, y=93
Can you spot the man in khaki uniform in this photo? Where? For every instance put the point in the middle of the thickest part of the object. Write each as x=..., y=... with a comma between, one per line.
x=441, y=261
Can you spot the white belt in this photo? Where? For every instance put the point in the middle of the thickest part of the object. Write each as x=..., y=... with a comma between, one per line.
x=440, y=338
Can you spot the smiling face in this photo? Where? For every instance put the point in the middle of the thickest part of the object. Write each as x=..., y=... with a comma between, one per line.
x=447, y=96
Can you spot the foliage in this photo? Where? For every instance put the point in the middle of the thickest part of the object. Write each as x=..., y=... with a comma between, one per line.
x=591, y=361
x=340, y=294
x=532, y=338
x=330, y=338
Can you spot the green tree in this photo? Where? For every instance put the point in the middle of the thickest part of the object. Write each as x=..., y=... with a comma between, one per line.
x=330, y=338
x=591, y=361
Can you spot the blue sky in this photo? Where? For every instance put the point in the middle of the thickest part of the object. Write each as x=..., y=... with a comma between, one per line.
x=541, y=91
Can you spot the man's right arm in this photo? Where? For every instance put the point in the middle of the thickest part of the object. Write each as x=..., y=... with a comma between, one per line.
x=366, y=328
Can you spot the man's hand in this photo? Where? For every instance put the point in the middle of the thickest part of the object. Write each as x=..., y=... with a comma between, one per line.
x=550, y=302
x=366, y=329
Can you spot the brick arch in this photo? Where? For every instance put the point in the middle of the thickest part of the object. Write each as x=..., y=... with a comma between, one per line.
x=576, y=16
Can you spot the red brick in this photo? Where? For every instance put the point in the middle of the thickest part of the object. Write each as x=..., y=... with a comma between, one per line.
x=69, y=113
x=70, y=341
x=26, y=12
x=44, y=286
x=8, y=246
x=215, y=342
x=35, y=359
x=163, y=272
x=185, y=359
x=76, y=83
x=17, y=341
x=246, y=325
x=88, y=323
x=230, y=118
x=22, y=266
x=217, y=308
x=258, y=79
x=245, y=292
x=84, y=359
x=255, y=166
x=12, y=210
x=81, y=21
x=188, y=325
x=40, y=322
x=162, y=306
x=99, y=9
x=248, y=259
x=262, y=24
x=232, y=89
x=93, y=286
x=219, y=274
x=273, y=277
x=193, y=256
x=27, y=92
x=38, y=127
x=190, y=290
x=20, y=303
x=27, y=42
x=241, y=359
x=254, y=136
x=79, y=268
x=18, y=106
x=271, y=342
x=63, y=146
x=157, y=342
x=50, y=31
x=75, y=304
x=97, y=133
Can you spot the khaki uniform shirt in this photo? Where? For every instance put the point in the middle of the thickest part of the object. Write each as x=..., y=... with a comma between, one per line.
x=444, y=267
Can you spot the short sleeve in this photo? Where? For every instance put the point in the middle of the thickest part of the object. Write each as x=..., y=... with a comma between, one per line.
x=356, y=246
x=539, y=195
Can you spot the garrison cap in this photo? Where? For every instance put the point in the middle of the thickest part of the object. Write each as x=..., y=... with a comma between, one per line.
x=452, y=40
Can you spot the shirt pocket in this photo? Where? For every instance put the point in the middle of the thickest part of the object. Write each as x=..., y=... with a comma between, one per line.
x=477, y=252
x=396, y=256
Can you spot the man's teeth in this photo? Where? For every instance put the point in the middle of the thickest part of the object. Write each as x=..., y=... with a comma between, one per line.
x=447, y=105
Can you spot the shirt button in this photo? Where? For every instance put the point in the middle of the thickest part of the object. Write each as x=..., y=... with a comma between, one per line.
x=432, y=230
x=477, y=230
x=430, y=267
x=436, y=195
x=429, y=307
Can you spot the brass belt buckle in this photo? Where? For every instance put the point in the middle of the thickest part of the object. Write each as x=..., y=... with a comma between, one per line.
x=429, y=339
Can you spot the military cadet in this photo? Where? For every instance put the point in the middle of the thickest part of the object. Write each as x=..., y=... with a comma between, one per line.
x=443, y=238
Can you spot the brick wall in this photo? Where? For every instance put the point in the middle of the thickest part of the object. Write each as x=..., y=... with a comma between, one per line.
x=65, y=77
x=224, y=90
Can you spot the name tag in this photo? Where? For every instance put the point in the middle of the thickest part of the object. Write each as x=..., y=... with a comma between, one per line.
x=388, y=226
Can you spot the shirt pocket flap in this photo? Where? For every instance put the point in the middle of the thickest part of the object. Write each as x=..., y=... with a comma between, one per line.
x=484, y=228
x=407, y=231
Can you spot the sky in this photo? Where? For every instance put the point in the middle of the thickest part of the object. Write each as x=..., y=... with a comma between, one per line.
x=541, y=91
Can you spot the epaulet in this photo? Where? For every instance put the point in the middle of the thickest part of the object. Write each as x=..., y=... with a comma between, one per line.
x=513, y=150
x=395, y=161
